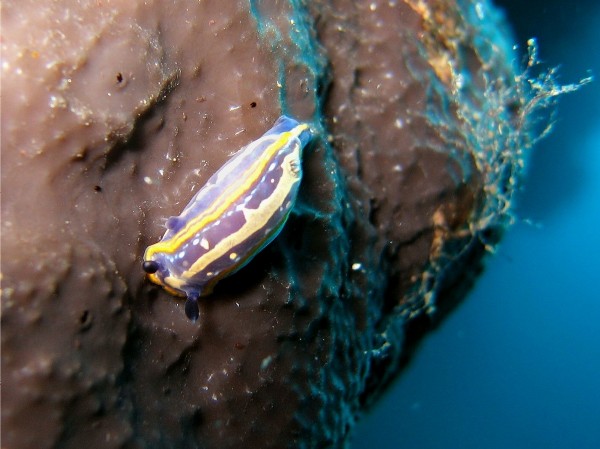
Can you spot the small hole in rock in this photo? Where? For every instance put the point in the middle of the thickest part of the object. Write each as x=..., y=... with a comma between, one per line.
x=85, y=319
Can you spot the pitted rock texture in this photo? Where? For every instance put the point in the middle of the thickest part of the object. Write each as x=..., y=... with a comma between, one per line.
x=115, y=113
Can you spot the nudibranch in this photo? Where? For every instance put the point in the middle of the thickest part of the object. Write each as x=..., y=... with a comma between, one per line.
x=240, y=210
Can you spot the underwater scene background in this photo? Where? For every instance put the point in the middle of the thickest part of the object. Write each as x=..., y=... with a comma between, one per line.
x=517, y=364
x=114, y=115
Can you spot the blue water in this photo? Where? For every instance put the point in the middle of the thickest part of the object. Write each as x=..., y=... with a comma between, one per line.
x=517, y=365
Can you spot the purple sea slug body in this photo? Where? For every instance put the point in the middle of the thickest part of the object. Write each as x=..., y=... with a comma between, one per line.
x=239, y=211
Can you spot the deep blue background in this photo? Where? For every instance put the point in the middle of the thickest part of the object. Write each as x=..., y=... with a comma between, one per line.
x=517, y=365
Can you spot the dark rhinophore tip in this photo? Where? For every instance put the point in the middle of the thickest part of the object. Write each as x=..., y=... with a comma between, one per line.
x=150, y=266
x=191, y=308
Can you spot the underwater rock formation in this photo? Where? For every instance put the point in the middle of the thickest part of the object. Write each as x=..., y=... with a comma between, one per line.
x=114, y=114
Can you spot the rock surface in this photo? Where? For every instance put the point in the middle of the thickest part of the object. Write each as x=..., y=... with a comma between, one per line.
x=115, y=113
